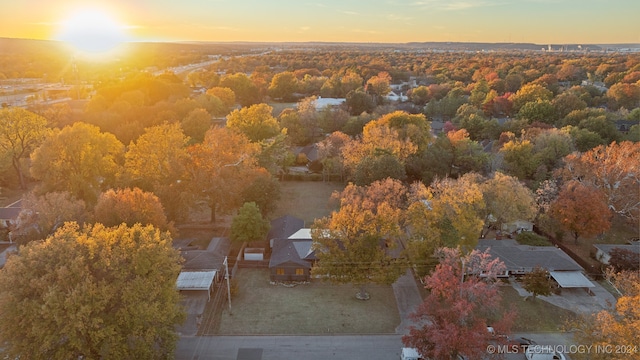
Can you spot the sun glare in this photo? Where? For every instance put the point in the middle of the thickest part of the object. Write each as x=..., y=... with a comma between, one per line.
x=92, y=31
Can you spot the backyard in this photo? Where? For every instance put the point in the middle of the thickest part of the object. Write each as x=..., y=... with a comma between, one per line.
x=307, y=200
x=312, y=308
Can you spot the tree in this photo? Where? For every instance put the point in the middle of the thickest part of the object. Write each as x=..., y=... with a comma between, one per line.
x=454, y=317
x=378, y=167
x=21, y=132
x=131, y=206
x=537, y=282
x=196, y=124
x=518, y=158
x=246, y=91
x=581, y=209
x=359, y=102
x=92, y=293
x=624, y=95
x=220, y=168
x=226, y=95
x=624, y=260
x=530, y=93
x=42, y=215
x=507, y=199
x=283, y=86
x=79, y=159
x=378, y=86
x=264, y=191
x=614, y=169
x=249, y=225
x=355, y=244
x=256, y=122
x=617, y=328
x=456, y=210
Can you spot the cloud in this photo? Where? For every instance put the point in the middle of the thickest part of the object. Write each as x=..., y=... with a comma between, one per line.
x=305, y=28
x=455, y=5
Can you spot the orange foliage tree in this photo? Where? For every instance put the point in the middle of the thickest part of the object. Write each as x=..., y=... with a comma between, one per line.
x=131, y=206
x=581, y=209
x=615, y=170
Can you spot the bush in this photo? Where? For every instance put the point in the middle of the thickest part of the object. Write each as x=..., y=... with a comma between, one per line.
x=532, y=239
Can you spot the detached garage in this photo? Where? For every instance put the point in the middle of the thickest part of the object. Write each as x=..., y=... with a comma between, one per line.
x=196, y=280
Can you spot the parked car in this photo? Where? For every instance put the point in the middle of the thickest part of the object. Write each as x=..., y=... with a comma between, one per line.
x=410, y=354
x=522, y=342
x=541, y=352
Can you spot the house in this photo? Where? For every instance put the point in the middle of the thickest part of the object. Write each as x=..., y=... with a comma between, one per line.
x=283, y=227
x=602, y=252
x=322, y=103
x=522, y=259
x=625, y=125
x=9, y=214
x=293, y=257
x=393, y=96
x=517, y=226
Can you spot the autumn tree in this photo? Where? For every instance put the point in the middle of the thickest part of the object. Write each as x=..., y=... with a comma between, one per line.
x=357, y=243
x=131, y=206
x=379, y=86
x=615, y=170
x=283, y=86
x=246, y=92
x=42, y=215
x=92, y=293
x=453, y=319
x=537, y=282
x=249, y=225
x=622, y=259
x=196, y=123
x=80, y=159
x=581, y=209
x=21, y=132
x=617, y=328
x=226, y=95
x=220, y=168
x=506, y=200
x=255, y=121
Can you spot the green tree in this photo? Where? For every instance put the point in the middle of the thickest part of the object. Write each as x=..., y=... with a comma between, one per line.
x=79, y=159
x=21, y=132
x=538, y=111
x=283, y=86
x=530, y=93
x=196, y=124
x=92, y=293
x=378, y=167
x=255, y=121
x=247, y=93
x=359, y=102
x=264, y=191
x=249, y=225
x=537, y=282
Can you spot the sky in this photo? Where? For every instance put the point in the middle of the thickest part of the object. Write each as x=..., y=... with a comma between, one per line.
x=372, y=21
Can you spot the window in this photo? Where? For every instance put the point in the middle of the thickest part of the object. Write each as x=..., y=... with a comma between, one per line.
x=299, y=271
x=279, y=271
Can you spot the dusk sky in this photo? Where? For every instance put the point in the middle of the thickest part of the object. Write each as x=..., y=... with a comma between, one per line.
x=533, y=21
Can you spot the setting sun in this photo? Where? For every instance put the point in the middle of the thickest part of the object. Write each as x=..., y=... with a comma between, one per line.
x=92, y=30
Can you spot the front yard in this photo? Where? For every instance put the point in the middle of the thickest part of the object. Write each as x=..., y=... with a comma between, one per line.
x=313, y=308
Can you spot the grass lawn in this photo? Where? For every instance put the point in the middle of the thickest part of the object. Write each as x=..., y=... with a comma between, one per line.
x=534, y=315
x=314, y=308
x=307, y=200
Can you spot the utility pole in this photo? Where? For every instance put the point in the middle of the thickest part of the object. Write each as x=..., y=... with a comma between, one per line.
x=226, y=269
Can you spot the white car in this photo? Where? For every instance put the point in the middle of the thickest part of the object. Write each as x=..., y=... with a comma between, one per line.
x=542, y=352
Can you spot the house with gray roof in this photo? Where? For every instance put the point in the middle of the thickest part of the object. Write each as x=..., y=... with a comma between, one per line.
x=602, y=252
x=293, y=257
x=283, y=227
x=522, y=259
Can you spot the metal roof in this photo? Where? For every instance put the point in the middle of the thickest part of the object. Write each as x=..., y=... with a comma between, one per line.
x=304, y=233
x=571, y=279
x=195, y=280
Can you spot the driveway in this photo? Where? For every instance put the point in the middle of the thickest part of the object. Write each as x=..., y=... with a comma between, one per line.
x=407, y=299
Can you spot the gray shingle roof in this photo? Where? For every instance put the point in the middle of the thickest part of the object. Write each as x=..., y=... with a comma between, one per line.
x=284, y=226
x=9, y=213
x=285, y=250
x=523, y=257
x=606, y=248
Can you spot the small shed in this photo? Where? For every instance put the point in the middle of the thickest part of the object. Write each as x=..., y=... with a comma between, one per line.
x=517, y=226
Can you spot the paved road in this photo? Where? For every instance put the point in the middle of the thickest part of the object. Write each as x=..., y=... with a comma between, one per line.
x=370, y=347
x=366, y=347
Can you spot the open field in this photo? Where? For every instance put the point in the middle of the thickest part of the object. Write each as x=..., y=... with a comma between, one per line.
x=308, y=200
x=313, y=308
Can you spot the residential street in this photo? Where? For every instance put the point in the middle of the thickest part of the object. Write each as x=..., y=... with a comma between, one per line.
x=373, y=347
